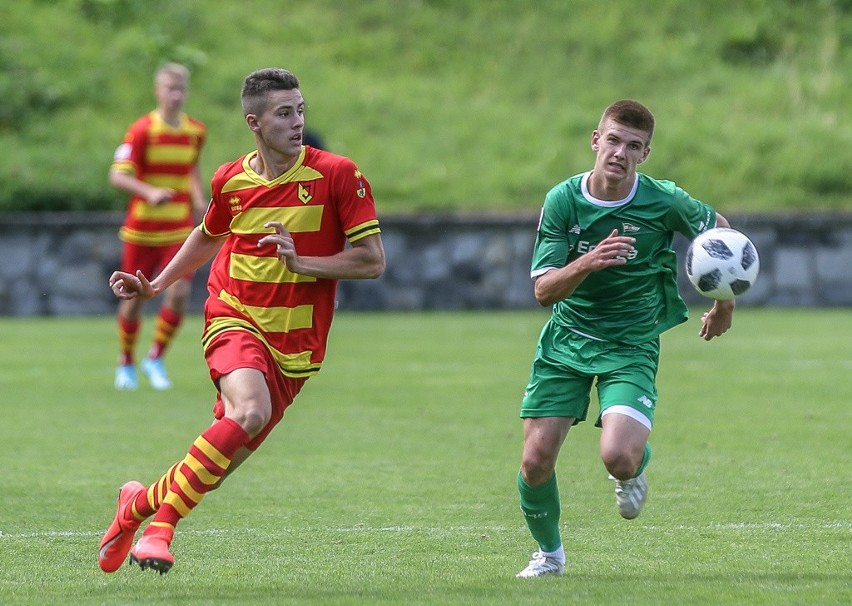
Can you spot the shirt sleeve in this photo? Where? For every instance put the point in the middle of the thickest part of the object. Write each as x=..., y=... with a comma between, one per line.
x=355, y=205
x=130, y=155
x=217, y=217
x=689, y=216
x=553, y=239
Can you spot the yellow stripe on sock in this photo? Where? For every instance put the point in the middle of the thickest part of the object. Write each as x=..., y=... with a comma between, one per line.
x=175, y=501
x=135, y=512
x=187, y=488
x=199, y=470
x=212, y=453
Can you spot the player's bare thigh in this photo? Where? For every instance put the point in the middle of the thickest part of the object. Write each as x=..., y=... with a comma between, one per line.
x=245, y=396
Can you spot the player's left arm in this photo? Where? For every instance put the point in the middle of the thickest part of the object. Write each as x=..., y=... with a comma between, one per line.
x=719, y=319
x=364, y=259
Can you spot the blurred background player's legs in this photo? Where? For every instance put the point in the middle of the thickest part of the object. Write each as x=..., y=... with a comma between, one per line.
x=166, y=326
x=128, y=324
x=149, y=260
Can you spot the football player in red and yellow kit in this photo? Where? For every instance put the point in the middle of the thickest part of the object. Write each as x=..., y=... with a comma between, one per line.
x=278, y=222
x=157, y=163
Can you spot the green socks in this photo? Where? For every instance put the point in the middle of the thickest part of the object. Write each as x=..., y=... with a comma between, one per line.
x=646, y=458
x=541, y=507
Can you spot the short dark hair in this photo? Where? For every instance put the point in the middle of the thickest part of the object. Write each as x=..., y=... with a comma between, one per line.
x=259, y=83
x=630, y=113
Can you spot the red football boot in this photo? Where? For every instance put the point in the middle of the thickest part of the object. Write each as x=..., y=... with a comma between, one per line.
x=119, y=537
x=152, y=550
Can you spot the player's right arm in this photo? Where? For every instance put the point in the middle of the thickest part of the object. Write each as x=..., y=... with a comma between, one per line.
x=560, y=283
x=196, y=250
x=125, y=172
x=129, y=183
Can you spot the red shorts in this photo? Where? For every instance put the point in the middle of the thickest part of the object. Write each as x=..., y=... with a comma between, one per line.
x=235, y=349
x=150, y=259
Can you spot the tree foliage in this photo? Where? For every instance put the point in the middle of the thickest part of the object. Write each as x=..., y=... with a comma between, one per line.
x=445, y=105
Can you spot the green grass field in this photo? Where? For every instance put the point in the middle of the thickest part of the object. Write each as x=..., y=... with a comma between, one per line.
x=392, y=479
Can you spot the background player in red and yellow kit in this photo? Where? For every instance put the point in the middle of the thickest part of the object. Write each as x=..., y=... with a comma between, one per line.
x=279, y=218
x=157, y=163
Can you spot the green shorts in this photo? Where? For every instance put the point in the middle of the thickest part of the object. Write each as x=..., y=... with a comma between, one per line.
x=567, y=364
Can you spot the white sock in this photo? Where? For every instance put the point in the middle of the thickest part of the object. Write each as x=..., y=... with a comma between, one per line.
x=558, y=555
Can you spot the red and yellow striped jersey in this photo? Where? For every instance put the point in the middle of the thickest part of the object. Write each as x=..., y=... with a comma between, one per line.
x=323, y=201
x=164, y=156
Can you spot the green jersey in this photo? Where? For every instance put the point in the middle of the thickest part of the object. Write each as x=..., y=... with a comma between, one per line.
x=630, y=303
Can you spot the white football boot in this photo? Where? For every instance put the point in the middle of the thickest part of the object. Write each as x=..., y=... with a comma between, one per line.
x=630, y=495
x=542, y=565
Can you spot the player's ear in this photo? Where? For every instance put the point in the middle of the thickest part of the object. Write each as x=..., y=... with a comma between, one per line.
x=251, y=120
x=645, y=154
x=595, y=138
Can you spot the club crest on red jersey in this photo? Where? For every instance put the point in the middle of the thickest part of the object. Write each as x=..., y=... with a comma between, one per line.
x=362, y=190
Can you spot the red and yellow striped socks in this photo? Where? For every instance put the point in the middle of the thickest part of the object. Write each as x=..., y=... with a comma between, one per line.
x=166, y=325
x=203, y=467
x=128, y=331
x=148, y=502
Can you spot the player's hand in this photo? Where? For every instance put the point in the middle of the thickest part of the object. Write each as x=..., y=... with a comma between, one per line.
x=718, y=320
x=285, y=247
x=612, y=250
x=160, y=195
x=129, y=286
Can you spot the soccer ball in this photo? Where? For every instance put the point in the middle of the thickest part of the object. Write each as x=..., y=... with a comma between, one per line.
x=722, y=263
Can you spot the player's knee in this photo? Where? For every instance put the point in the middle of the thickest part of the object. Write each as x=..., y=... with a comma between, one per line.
x=177, y=295
x=252, y=418
x=620, y=463
x=537, y=469
x=256, y=421
x=177, y=304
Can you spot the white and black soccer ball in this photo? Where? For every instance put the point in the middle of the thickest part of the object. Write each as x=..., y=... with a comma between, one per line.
x=722, y=263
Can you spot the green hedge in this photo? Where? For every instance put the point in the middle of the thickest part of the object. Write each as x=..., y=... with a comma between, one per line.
x=446, y=105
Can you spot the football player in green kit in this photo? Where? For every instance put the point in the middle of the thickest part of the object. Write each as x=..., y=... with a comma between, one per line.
x=603, y=259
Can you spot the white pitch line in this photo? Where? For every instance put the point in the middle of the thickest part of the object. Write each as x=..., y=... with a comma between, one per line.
x=733, y=526
x=755, y=526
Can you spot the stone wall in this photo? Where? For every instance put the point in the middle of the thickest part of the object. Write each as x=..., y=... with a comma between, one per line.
x=58, y=264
